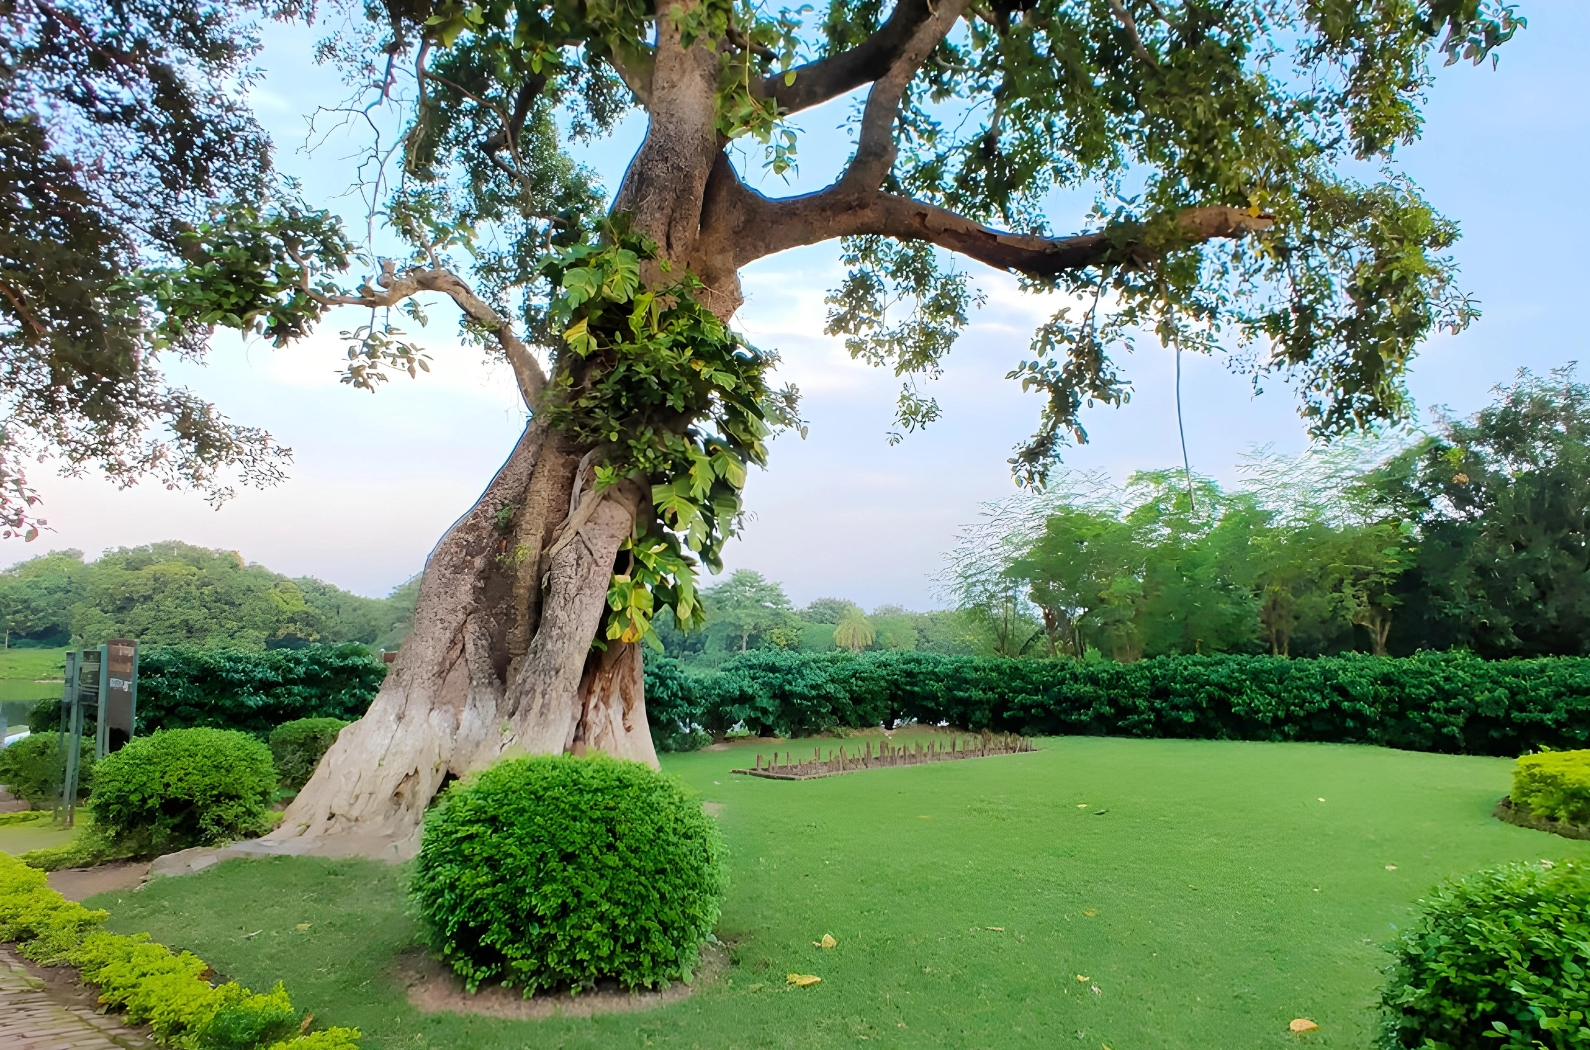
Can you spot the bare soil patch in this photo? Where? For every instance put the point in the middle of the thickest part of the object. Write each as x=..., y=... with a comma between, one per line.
x=1511, y=812
x=433, y=988
x=76, y=884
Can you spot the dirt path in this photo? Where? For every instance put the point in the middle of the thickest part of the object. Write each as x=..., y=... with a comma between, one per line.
x=45, y=1010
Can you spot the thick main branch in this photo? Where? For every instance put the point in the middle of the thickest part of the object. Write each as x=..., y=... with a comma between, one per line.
x=755, y=226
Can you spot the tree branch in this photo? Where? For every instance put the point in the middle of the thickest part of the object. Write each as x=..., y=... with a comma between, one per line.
x=875, y=146
x=392, y=288
x=756, y=226
x=828, y=78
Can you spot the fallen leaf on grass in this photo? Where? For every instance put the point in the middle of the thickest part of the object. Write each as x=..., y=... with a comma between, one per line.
x=1082, y=805
x=1091, y=912
x=827, y=942
x=1303, y=1024
x=1083, y=979
x=996, y=929
x=1391, y=867
x=804, y=980
x=251, y=936
x=302, y=926
x=1096, y=990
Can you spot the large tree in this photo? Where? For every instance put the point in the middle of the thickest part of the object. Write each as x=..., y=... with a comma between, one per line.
x=1213, y=132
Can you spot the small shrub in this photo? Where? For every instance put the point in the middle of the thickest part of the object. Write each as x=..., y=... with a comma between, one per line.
x=1555, y=784
x=185, y=787
x=299, y=745
x=550, y=871
x=1499, y=960
x=32, y=769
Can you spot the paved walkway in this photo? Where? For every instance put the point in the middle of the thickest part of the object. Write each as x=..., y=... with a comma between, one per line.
x=35, y=1016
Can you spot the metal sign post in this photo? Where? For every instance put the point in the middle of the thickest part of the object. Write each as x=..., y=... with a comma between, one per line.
x=66, y=757
x=118, y=695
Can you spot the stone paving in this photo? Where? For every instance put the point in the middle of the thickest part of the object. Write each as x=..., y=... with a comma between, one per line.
x=33, y=1016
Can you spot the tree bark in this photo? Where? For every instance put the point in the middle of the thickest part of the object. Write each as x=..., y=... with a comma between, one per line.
x=457, y=699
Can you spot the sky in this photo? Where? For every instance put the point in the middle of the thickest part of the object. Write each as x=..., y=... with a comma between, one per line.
x=377, y=479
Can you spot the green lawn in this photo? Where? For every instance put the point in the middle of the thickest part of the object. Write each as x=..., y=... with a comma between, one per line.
x=1215, y=899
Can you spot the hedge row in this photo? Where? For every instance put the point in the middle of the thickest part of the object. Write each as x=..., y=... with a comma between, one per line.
x=152, y=984
x=1448, y=702
x=183, y=687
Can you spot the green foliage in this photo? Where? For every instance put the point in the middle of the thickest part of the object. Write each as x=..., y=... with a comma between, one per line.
x=1498, y=959
x=634, y=362
x=1502, y=504
x=549, y=871
x=1555, y=784
x=297, y=747
x=184, y=787
x=32, y=767
x=166, y=990
x=854, y=632
x=255, y=692
x=174, y=593
x=1449, y=702
x=89, y=846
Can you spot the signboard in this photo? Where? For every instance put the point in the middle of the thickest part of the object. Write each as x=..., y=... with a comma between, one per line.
x=118, y=705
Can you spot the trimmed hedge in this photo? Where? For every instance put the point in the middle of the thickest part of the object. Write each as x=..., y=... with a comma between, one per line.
x=253, y=691
x=1447, y=702
x=1499, y=960
x=184, y=787
x=299, y=745
x=554, y=870
x=149, y=982
x=1555, y=784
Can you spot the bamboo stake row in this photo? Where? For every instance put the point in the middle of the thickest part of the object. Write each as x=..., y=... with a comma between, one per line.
x=786, y=767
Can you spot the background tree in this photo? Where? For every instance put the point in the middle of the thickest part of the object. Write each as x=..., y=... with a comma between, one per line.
x=854, y=632
x=646, y=410
x=749, y=607
x=1502, y=505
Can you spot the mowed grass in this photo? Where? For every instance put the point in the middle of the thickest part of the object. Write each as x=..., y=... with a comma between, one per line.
x=977, y=904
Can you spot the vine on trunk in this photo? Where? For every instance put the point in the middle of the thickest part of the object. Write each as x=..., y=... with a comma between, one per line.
x=666, y=392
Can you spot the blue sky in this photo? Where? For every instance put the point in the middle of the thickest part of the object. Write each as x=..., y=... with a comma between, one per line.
x=377, y=479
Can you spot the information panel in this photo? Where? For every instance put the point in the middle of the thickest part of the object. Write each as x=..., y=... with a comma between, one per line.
x=121, y=691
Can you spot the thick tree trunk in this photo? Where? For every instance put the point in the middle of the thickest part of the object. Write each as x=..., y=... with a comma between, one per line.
x=457, y=698
x=500, y=661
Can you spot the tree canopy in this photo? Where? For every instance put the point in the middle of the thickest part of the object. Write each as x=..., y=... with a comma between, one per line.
x=174, y=593
x=140, y=213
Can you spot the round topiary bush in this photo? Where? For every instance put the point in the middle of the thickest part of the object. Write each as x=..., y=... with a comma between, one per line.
x=552, y=871
x=298, y=746
x=1499, y=960
x=32, y=768
x=184, y=787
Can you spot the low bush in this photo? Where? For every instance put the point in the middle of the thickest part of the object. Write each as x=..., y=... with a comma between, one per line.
x=552, y=871
x=24, y=816
x=1555, y=784
x=32, y=768
x=184, y=787
x=1448, y=702
x=1499, y=960
x=182, y=687
x=150, y=983
x=298, y=746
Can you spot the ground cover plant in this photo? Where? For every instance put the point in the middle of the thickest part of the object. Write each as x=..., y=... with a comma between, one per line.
x=561, y=871
x=172, y=992
x=1214, y=899
x=1497, y=959
x=1452, y=702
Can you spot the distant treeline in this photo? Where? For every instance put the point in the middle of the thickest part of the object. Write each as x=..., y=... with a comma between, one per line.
x=1476, y=536
x=173, y=593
